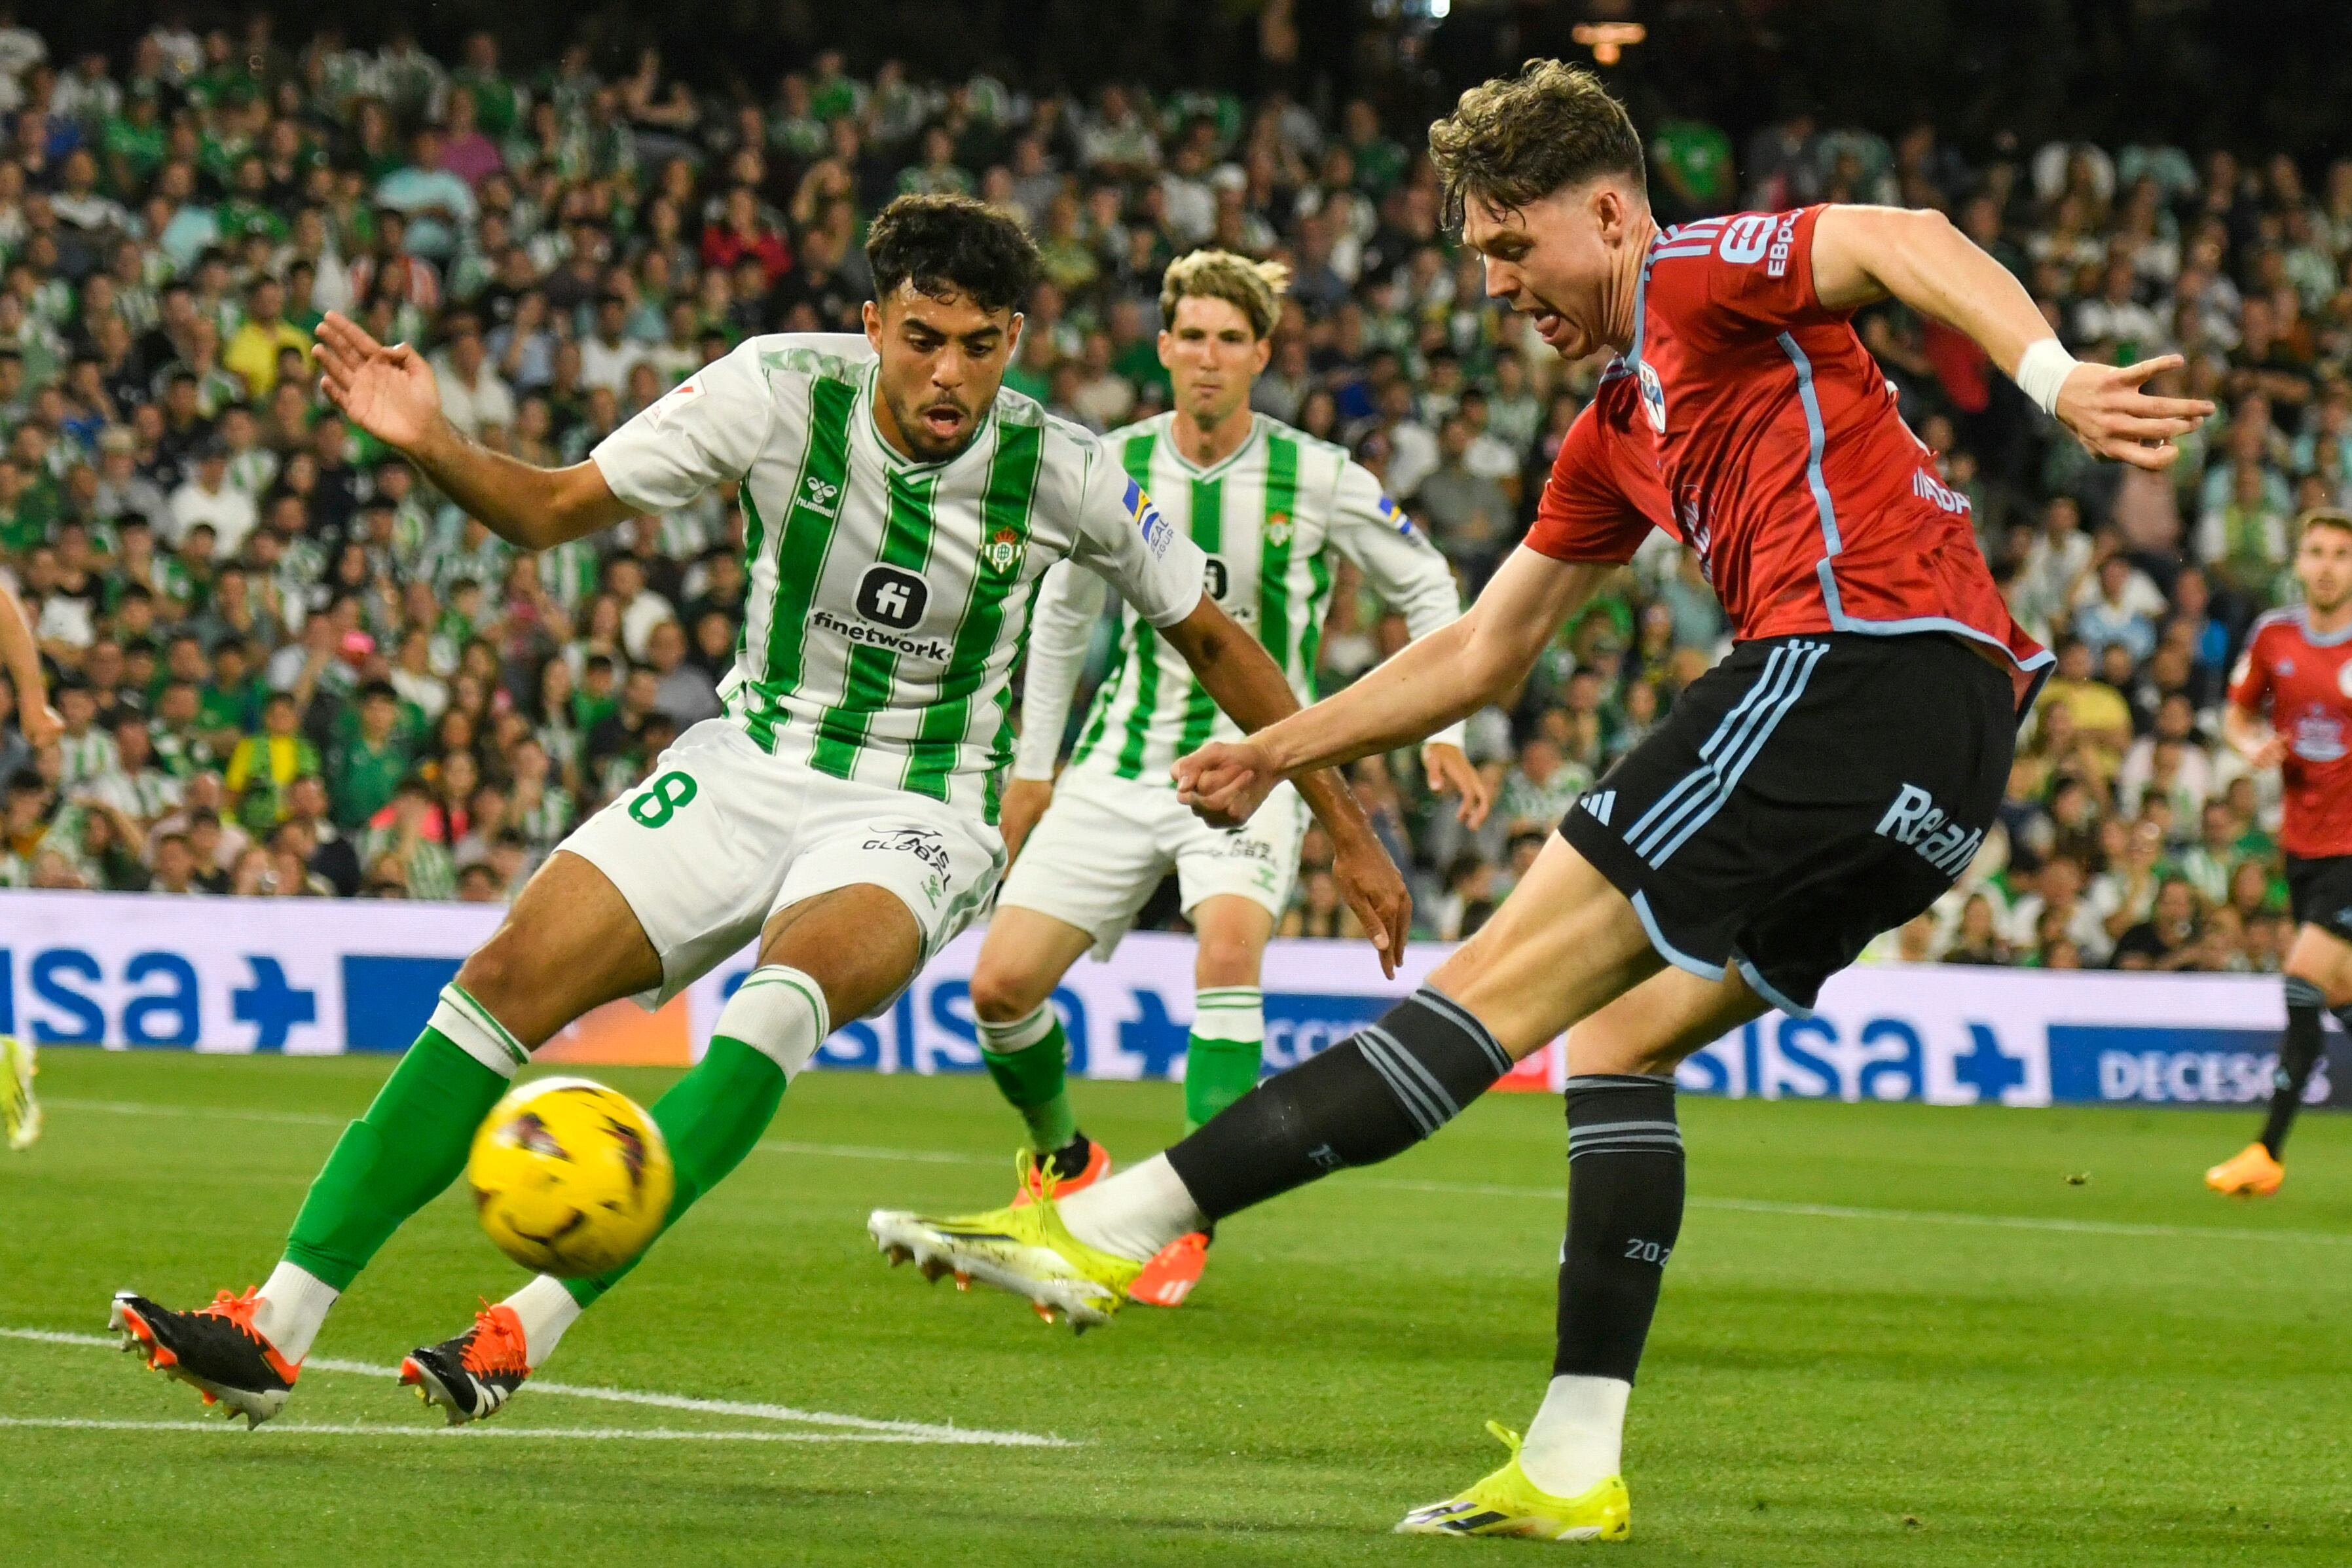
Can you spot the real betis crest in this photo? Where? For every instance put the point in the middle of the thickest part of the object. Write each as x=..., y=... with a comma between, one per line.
x=1278, y=529
x=1003, y=551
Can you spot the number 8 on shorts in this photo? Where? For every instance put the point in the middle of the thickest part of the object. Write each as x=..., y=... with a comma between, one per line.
x=662, y=798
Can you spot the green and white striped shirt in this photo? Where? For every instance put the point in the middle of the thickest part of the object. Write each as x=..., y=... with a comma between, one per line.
x=888, y=599
x=1266, y=520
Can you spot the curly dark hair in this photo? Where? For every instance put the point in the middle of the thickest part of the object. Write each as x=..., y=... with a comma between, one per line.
x=952, y=245
x=1515, y=140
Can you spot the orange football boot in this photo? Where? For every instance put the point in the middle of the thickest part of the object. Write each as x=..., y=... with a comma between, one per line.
x=474, y=1373
x=1172, y=1273
x=2252, y=1172
x=1038, y=1176
x=214, y=1350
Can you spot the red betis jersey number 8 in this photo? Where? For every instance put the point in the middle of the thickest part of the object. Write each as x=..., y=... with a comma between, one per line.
x=2305, y=684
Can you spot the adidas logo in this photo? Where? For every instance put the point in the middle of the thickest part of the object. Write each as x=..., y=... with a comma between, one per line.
x=1600, y=804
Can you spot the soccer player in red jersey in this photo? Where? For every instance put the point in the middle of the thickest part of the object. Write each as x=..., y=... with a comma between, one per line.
x=1825, y=782
x=2291, y=708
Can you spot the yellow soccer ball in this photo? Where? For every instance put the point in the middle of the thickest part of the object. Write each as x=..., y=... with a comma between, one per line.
x=570, y=1179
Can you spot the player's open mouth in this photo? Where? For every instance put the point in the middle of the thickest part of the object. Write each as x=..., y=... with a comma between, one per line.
x=1551, y=328
x=943, y=418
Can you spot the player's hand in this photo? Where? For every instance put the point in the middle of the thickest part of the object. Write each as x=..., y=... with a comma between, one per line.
x=1226, y=782
x=2270, y=753
x=1451, y=772
x=388, y=392
x=2112, y=417
x=1373, y=888
x=41, y=724
x=1025, y=800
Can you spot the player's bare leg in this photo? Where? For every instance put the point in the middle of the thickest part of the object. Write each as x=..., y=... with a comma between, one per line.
x=569, y=944
x=1024, y=958
x=842, y=954
x=2318, y=977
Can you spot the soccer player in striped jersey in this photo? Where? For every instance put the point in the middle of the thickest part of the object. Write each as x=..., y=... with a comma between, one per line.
x=2291, y=708
x=1269, y=508
x=1825, y=782
x=901, y=512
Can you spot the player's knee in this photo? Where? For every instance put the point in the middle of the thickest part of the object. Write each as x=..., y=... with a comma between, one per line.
x=1002, y=994
x=1226, y=960
x=498, y=976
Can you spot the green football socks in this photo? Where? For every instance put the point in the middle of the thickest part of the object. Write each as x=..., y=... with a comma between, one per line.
x=714, y=1115
x=1029, y=1059
x=1221, y=1059
x=410, y=1145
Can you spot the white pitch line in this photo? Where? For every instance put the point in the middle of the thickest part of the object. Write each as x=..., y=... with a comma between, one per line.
x=1476, y=1189
x=276, y=1429
x=899, y=1431
x=1909, y=1216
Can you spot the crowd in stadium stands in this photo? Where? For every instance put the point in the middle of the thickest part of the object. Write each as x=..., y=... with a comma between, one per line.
x=287, y=667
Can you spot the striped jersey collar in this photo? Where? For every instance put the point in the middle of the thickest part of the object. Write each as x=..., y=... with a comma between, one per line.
x=1175, y=449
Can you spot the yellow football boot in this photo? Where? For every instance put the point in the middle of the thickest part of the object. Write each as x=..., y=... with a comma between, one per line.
x=1024, y=1248
x=1506, y=1503
x=20, y=1114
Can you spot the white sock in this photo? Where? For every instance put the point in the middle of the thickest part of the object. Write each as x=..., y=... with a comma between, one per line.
x=1577, y=1440
x=294, y=1302
x=546, y=1309
x=781, y=1013
x=1230, y=1012
x=1004, y=1039
x=1134, y=1212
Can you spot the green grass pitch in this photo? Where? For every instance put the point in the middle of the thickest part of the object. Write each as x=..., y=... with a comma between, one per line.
x=1892, y=1335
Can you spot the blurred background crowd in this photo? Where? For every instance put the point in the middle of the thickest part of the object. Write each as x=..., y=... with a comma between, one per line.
x=287, y=667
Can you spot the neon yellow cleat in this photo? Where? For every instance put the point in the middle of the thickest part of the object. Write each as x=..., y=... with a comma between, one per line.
x=1506, y=1503
x=20, y=1114
x=1025, y=1250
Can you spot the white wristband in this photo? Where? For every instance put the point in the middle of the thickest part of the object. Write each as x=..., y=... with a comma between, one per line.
x=2041, y=370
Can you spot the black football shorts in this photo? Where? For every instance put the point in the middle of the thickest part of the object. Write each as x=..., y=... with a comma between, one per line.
x=1804, y=795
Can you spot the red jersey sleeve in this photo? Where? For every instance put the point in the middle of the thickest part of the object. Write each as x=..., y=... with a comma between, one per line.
x=2250, y=682
x=1751, y=276
x=1582, y=514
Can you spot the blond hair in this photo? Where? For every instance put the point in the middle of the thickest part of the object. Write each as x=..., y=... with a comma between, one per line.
x=1253, y=288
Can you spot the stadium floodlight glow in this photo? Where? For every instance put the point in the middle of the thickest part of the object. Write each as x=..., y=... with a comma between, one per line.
x=1439, y=9
x=1609, y=40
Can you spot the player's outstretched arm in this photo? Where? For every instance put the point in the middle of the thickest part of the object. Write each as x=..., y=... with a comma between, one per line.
x=21, y=656
x=1862, y=255
x=1249, y=686
x=2250, y=736
x=390, y=392
x=1449, y=674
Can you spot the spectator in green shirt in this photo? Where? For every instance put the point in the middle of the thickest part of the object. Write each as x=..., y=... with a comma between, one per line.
x=1380, y=160
x=369, y=767
x=1695, y=170
x=229, y=708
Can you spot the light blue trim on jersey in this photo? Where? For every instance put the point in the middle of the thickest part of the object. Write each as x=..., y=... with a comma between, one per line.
x=1668, y=950
x=1816, y=438
x=1765, y=989
x=2296, y=615
x=1742, y=753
